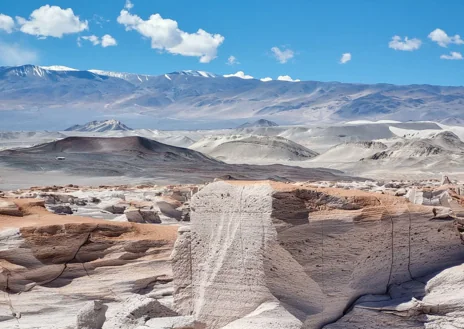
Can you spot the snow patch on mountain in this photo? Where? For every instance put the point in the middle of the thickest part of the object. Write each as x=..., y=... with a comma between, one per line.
x=58, y=68
x=100, y=126
x=193, y=73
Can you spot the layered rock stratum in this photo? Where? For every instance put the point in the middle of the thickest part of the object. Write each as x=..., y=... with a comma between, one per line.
x=269, y=255
x=256, y=254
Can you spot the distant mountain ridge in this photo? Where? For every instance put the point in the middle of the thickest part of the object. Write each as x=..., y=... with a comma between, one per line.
x=259, y=123
x=189, y=96
x=100, y=126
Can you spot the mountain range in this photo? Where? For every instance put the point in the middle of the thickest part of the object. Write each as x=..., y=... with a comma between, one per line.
x=191, y=96
x=100, y=126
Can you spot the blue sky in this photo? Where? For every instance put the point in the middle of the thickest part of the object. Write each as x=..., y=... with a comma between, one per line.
x=310, y=38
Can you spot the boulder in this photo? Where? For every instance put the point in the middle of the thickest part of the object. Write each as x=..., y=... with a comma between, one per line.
x=58, y=198
x=401, y=192
x=117, y=209
x=134, y=312
x=442, y=213
x=92, y=315
x=9, y=208
x=80, y=202
x=60, y=209
x=143, y=215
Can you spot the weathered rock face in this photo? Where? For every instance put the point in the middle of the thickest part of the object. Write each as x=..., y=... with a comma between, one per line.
x=303, y=253
x=70, y=268
x=9, y=208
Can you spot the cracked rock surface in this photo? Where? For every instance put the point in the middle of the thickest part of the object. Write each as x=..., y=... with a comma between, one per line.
x=308, y=253
x=70, y=268
x=255, y=255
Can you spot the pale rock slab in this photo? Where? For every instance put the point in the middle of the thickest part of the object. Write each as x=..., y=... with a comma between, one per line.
x=313, y=251
x=9, y=208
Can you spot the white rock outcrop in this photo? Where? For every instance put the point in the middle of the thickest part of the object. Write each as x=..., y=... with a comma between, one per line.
x=92, y=315
x=308, y=252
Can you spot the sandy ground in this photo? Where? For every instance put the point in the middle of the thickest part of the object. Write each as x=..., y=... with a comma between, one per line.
x=14, y=178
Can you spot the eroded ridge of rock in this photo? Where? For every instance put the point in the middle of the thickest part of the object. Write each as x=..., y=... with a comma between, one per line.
x=301, y=254
x=79, y=271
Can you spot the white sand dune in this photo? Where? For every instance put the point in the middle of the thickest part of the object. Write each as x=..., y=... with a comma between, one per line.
x=261, y=148
x=350, y=152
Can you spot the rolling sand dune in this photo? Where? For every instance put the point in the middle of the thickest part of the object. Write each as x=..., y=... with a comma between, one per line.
x=261, y=148
x=350, y=151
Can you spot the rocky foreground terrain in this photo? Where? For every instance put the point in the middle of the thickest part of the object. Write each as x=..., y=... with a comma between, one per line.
x=234, y=254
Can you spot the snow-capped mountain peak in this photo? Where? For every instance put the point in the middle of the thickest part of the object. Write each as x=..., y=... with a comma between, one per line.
x=100, y=126
x=137, y=78
x=193, y=73
x=58, y=68
x=28, y=70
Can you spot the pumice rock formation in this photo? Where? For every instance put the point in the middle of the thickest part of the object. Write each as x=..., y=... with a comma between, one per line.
x=271, y=255
x=79, y=271
x=261, y=255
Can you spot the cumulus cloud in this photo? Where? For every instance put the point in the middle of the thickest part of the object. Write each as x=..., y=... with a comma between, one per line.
x=346, y=57
x=405, y=45
x=93, y=39
x=6, y=23
x=282, y=55
x=266, y=79
x=454, y=55
x=232, y=60
x=52, y=21
x=129, y=5
x=14, y=54
x=239, y=74
x=108, y=41
x=166, y=35
x=287, y=78
x=443, y=40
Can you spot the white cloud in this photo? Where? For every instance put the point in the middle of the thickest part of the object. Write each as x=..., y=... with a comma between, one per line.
x=346, y=57
x=93, y=39
x=14, y=54
x=232, y=60
x=266, y=79
x=282, y=55
x=6, y=23
x=239, y=74
x=287, y=78
x=52, y=21
x=166, y=35
x=454, y=55
x=129, y=5
x=407, y=45
x=439, y=36
x=108, y=41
